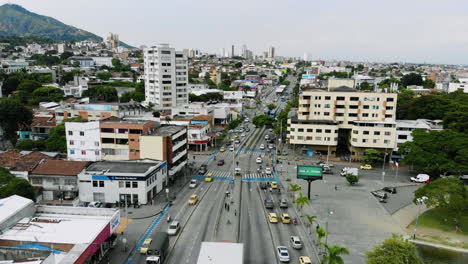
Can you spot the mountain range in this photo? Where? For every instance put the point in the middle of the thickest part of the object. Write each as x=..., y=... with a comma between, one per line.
x=17, y=21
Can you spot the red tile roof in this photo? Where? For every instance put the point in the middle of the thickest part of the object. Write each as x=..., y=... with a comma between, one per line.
x=8, y=159
x=29, y=161
x=60, y=167
x=43, y=122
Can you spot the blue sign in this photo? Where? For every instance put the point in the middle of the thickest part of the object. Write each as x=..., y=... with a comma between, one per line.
x=232, y=182
x=199, y=122
x=308, y=76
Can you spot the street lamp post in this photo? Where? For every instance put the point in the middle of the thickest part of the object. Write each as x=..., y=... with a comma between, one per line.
x=420, y=202
x=330, y=213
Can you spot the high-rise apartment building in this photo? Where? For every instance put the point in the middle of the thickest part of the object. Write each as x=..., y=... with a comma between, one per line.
x=271, y=52
x=166, y=77
x=344, y=121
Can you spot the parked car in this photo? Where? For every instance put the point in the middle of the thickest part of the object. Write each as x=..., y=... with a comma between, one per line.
x=283, y=254
x=95, y=204
x=390, y=189
x=173, y=228
x=421, y=178
x=269, y=204
x=193, y=184
x=296, y=242
x=381, y=195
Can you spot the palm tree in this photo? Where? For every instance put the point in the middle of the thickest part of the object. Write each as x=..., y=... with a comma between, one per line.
x=321, y=233
x=301, y=201
x=293, y=188
x=168, y=119
x=311, y=219
x=333, y=254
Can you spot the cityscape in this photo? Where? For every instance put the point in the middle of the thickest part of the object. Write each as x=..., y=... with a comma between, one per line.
x=149, y=144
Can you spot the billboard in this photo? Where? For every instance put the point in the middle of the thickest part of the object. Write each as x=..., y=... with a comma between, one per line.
x=308, y=76
x=237, y=95
x=309, y=172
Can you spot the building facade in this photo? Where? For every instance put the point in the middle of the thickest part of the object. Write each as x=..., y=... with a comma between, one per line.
x=83, y=141
x=122, y=181
x=166, y=77
x=344, y=121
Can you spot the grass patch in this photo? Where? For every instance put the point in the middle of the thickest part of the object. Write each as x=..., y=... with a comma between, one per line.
x=441, y=219
x=440, y=240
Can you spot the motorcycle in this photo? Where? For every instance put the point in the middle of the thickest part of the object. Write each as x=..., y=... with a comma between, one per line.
x=295, y=221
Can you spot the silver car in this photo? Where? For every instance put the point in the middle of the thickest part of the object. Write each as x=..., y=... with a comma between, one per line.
x=283, y=254
x=173, y=228
x=296, y=242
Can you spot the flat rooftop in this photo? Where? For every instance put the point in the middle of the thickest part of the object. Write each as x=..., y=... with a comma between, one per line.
x=216, y=252
x=123, y=166
x=168, y=130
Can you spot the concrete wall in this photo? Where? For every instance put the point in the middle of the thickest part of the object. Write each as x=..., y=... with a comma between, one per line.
x=8, y=253
x=152, y=147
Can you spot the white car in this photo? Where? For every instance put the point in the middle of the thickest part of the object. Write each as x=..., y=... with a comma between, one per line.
x=243, y=135
x=271, y=146
x=258, y=160
x=268, y=171
x=173, y=228
x=231, y=148
x=262, y=146
x=421, y=178
x=193, y=184
x=296, y=242
x=283, y=254
x=95, y=204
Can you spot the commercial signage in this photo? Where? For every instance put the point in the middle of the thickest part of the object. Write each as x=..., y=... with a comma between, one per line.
x=309, y=76
x=115, y=221
x=237, y=95
x=309, y=172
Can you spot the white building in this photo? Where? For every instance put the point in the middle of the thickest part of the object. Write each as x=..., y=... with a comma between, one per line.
x=271, y=52
x=462, y=85
x=120, y=181
x=83, y=141
x=166, y=76
x=101, y=61
x=406, y=127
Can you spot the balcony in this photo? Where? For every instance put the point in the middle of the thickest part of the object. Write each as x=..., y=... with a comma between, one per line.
x=179, y=155
x=179, y=134
x=177, y=168
x=179, y=144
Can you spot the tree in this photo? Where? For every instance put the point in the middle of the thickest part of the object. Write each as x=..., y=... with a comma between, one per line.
x=445, y=193
x=107, y=93
x=372, y=156
x=301, y=201
x=135, y=96
x=57, y=142
x=29, y=86
x=66, y=55
x=140, y=87
x=10, y=185
x=105, y=76
x=263, y=120
x=352, y=178
x=271, y=106
x=428, y=83
x=10, y=84
x=238, y=65
x=293, y=188
x=394, y=250
x=334, y=254
x=311, y=220
x=411, y=79
x=457, y=120
x=116, y=63
x=321, y=233
x=285, y=82
x=14, y=115
x=45, y=94
x=365, y=86
x=28, y=144
x=437, y=152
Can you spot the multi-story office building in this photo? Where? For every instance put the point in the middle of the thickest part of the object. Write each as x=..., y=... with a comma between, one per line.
x=271, y=52
x=344, y=121
x=166, y=77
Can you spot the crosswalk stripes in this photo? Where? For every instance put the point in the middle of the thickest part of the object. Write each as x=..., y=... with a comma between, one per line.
x=257, y=176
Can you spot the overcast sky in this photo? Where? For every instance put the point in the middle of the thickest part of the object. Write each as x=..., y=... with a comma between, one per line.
x=361, y=30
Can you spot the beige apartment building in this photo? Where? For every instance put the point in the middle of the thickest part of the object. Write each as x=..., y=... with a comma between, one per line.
x=344, y=121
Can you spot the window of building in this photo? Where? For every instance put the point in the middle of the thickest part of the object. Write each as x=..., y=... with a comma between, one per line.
x=375, y=141
x=166, y=82
x=107, y=140
x=83, y=152
x=326, y=105
x=327, y=130
x=353, y=107
x=340, y=98
x=387, y=133
x=376, y=133
x=70, y=133
x=354, y=98
x=82, y=133
x=292, y=137
x=375, y=107
x=300, y=138
x=318, y=138
x=70, y=182
x=72, y=151
x=352, y=114
x=389, y=108
x=134, y=184
x=364, y=140
x=389, y=99
x=354, y=139
x=293, y=129
x=365, y=106
x=327, y=97
x=306, y=97
x=82, y=142
x=121, y=184
x=339, y=106
x=300, y=130
x=165, y=52
x=128, y=184
x=402, y=136
x=339, y=114
x=101, y=183
x=386, y=141
x=96, y=152
x=365, y=132
x=388, y=116
x=166, y=76
x=37, y=180
x=95, y=183
x=355, y=132
x=365, y=115
x=318, y=130
x=96, y=143
x=72, y=142
x=310, y=130
x=326, y=113
x=107, y=130
x=309, y=138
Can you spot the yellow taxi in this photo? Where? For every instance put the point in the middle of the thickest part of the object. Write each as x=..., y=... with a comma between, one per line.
x=285, y=219
x=236, y=136
x=304, y=260
x=366, y=167
x=222, y=149
x=193, y=199
x=274, y=185
x=145, y=246
x=272, y=218
x=209, y=177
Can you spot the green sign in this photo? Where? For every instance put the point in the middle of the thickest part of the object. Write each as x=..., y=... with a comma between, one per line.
x=309, y=172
